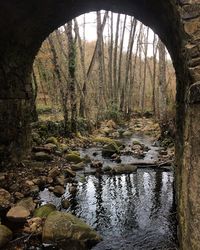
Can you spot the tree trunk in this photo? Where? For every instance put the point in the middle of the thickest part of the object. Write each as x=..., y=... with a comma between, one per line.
x=115, y=59
x=110, y=60
x=145, y=70
x=59, y=81
x=83, y=108
x=72, y=86
x=162, y=82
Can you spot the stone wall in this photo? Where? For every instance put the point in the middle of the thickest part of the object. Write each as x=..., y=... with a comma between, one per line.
x=189, y=170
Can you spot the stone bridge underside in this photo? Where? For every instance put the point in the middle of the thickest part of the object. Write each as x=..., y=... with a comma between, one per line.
x=24, y=24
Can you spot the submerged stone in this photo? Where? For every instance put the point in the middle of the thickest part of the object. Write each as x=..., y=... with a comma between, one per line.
x=124, y=169
x=109, y=150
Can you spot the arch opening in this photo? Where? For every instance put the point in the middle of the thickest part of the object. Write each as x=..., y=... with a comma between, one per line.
x=54, y=57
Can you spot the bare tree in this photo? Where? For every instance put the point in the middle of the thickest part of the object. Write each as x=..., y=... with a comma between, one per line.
x=162, y=81
x=72, y=82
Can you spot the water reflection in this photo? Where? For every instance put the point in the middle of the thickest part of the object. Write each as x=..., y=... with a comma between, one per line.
x=134, y=211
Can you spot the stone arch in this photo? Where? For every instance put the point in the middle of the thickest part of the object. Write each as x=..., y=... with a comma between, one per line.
x=25, y=24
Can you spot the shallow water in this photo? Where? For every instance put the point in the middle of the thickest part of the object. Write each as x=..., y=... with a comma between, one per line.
x=132, y=212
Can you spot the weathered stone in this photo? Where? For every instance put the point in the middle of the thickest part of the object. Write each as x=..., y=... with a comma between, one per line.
x=127, y=133
x=42, y=156
x=124, y=169
x=58, y=190
x=73, y=190
x=5, y=236
x=52, y=140
x=78, y=166
x=73, y=158
x=60, y=180
x=66, y=203
x=194, y=93
x=18, y=214
x=54, y=172
x=65, y=227
x=109, y=150
x=69, y=172
x=5, y=199
x=27, y=203
x=51, y=146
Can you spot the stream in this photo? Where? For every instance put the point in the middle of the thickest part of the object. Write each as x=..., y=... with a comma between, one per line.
x=133, y=211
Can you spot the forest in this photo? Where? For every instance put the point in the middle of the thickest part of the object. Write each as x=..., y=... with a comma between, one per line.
x=125, y=71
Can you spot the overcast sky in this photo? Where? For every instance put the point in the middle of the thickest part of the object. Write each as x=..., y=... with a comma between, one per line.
x=91, y=30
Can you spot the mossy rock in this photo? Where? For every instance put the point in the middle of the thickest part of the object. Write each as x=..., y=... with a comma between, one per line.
x=136, y=143
x=127, y=133
x=42, y=156
x=44, y=210
x=51, y=146
x=64, y=148
x=73, y=158
x=78, y=166
x=110, y=149
x=36, y=138
x=52, y=140
x=74, y=153
x=28, y=203
x=5, y=236
x=65, y=227
x=103, y=140
x=124, y=169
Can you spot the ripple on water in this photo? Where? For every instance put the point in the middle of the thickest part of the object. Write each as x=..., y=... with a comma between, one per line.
x=133, y=211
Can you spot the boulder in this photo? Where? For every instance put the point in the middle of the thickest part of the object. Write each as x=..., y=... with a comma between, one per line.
x=54, y=172
x=66, y=203
x=44, y=210
x=51, y=146
x=34, y=190
x=58, y=190
x=52, y=140
x=18, y=214
x=36, y=138
x=5, y=199
x=111, y=124
x=136, y=143
x=78, y=166
x=127, y=133
x=68, y=229
x=110, y=149
x=69, y=172
x=124, y=169
x=5, y=236
x=60, y=180
x=74, y=158
x=27, y=203
x=106, y=168
x=73, y=190
x=42, y=156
